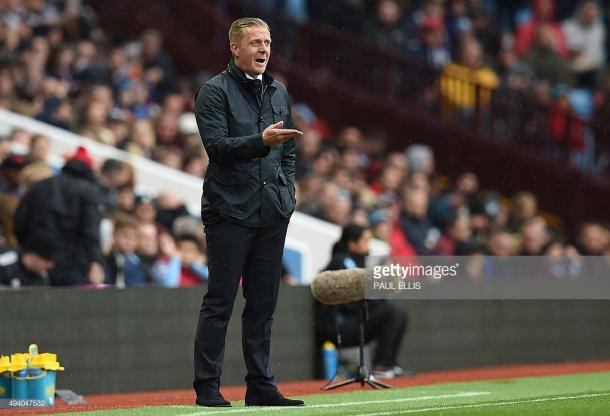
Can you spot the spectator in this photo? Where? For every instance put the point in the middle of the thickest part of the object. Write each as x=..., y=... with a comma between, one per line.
x=196, y=164
x=456, y=237
x=399, y=161
x=534, y=237
x=515, y=74
x=563, y=261
x=524, y=207
x=95, y=124
x=145, y=209
x=420, y=158
x=67, y=207
x=417, y=181
x=53, y=94
x=460, y=83
x=169, y=207
x=399, y=245
x=390, y=181
x=123, y=265
x=120, y=127
x=16, y=174
x=141, y=139
x=8, y=207
x=484, y=27
x=545, y=62
x=585, y=34
x=431, y=46
x=458, y=22
x=386, y=322
x=167, y=131
x=308, y=146
x=182, y=263
x=416, y=225
x=88, y=64
x=35, y=172
x=125, y=200
x=593, y=239
x=445, y=207
x=543, y=14
x=113, y=175
x=310, y=194
x=337, y=208
x=148, y=248
x=39, y=149
x=168, y=156
x=386, y=29
x=11, y=173
x=157, y=64
x=501, y=243
x=429, y=9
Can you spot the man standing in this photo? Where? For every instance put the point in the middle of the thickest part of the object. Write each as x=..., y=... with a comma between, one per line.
x=68, y=208
x=248, y=198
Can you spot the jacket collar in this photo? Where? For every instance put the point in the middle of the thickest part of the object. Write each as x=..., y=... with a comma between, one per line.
x=240, y=75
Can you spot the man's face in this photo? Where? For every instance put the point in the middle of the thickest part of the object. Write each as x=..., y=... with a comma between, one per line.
x=252, y=52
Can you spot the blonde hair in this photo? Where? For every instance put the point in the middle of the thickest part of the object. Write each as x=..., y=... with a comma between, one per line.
x=238, y=26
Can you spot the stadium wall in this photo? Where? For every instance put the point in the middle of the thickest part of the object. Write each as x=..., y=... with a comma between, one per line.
x=142, y=338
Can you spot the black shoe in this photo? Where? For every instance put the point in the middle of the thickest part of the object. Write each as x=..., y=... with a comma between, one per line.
x=210, y=397
x=272, y=398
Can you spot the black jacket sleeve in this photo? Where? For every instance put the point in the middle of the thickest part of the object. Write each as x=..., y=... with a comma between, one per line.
x=211, y=114
x=91, y=217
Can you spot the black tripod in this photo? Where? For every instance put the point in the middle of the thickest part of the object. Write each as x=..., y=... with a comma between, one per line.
x=364, y=375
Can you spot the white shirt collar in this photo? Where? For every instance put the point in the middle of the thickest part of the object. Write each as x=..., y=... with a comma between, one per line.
x=259, y=76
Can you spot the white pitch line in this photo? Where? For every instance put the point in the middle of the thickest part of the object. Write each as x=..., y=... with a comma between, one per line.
x=471, y=406
x=342, y=404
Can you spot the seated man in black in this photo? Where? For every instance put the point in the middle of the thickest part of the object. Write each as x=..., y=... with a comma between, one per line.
x=386, y=322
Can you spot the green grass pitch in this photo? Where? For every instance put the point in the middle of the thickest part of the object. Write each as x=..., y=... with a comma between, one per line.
x=582, y=394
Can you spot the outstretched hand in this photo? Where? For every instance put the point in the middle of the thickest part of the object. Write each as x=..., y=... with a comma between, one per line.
x=275, y=134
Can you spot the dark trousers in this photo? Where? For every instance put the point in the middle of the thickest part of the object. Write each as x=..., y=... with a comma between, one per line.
x=386, y=323
x=255, y=254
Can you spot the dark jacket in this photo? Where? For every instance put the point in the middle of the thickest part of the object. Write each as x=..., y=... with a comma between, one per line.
x=69, y=208
x=12, y=269
x=246, y=181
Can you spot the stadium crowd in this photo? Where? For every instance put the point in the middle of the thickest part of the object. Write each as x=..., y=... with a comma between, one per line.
x=58, y=66
x=542, y=54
